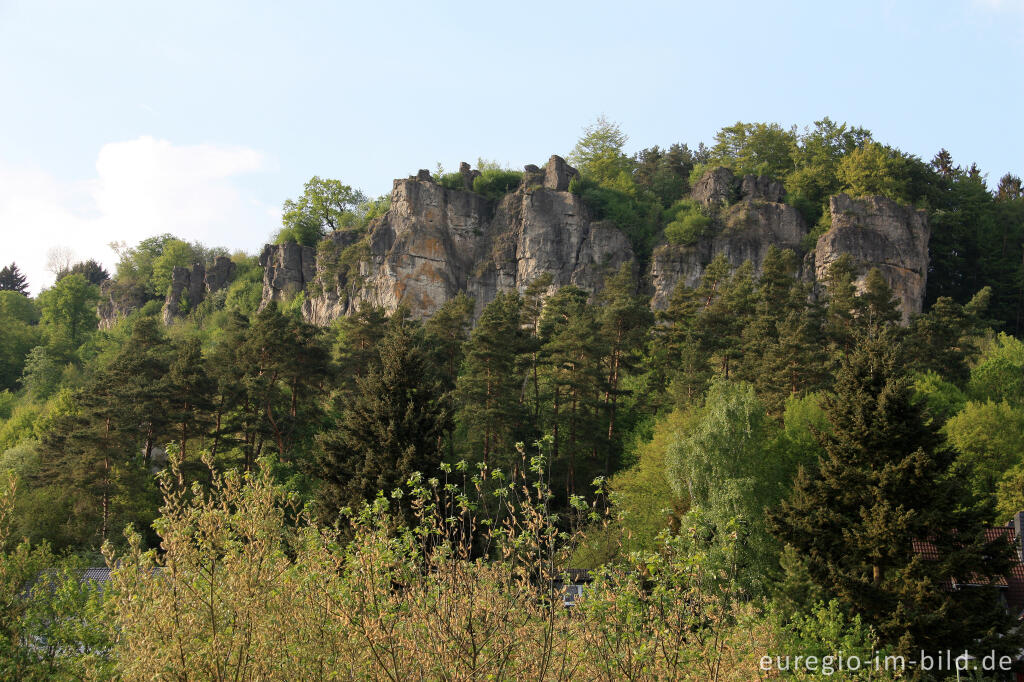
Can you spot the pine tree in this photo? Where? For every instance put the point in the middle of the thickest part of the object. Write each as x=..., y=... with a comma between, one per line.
x=11, y=279
x=388, y=428
x=446, y=332
x=883, y=486
x=489, y=389
x=625, y=320
x=190, y=392
x=572, y=351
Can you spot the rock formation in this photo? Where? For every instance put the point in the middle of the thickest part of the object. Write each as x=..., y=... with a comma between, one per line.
x=879, y=233
x=190, y=286
x=118, y=299
x=744, y=230
x=437, y=242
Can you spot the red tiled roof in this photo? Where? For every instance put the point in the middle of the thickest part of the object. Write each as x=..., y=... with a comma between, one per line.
x=1013, y=585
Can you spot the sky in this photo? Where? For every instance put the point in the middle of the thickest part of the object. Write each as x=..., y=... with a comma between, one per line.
x=123, y=120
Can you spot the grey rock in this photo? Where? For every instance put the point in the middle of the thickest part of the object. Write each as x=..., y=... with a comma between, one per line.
x=287, y=268
x=558, y=174
x=879, y=233
x=118, y=300
x=185, y=282
x=424, y=175
x=532, y=176
x=716, y=187
x=219, y=274
x=761, y=187
x=746, y=230
x=468, y=176
x=436, y=242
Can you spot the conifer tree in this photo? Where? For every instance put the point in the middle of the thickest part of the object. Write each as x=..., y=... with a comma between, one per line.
x=489, y=389
x=572, y=351
x=446, y=332
x=625, y=320
x=388, y=428
x=11, y=279
x=882, y=489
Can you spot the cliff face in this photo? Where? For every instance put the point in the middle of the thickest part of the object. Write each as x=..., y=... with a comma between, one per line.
x=879, y=233
x=190, y=286
x=436, y=242
x=746, y=230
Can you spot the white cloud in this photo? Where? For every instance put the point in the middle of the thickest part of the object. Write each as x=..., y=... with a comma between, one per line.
x=142, y=187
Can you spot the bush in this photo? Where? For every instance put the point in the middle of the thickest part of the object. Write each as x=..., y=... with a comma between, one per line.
x=245, y=293
x=687, y=223
x=494, y=183
x=451, y=181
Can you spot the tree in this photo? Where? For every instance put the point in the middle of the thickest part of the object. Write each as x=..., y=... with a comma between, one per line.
x=175, y=253
x=883, y=487
x=11, y=279
x=68, y=310
x=59, y=259
x=389, y=428
x=756, y=148
x=489, y=387
x=446, y=332
x=572, y=349
x=599, y=155
x=720, y=465
x=989, y=437
x=93, y=272
x=325, y=206
x=875, y=169
x=625, y=320
x=18, y=320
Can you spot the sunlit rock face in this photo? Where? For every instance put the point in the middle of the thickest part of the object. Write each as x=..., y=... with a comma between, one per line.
x=879, y=233
x=436, y=242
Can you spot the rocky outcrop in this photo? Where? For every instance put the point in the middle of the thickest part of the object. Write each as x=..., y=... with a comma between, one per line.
x=877, y=232
x=287, y=269
x=118, y=300
x=744, y=230
x=190, y=286
x=436, y=242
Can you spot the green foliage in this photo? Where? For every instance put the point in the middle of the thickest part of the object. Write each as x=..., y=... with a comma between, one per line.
x=875, y=169
x=68, y=311
x=884, y=483
x=989, y=438
x=18, y=319
x=325, y=206
x=687, y=223
x=12, y=279
x=755, y=148
x=175, y=253
x=42, y=373
x=999, y=375
x=600, y=156
x=93, y=272
x=451, y=181
x=495, y=183
x=246, y=292
x=941, y=399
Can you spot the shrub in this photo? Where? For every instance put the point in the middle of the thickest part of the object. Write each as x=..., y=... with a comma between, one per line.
x=451, y=181
x=687, y=223
x=495, y=183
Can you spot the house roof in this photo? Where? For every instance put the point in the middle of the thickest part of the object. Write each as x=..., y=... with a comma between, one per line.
x=1011, y=585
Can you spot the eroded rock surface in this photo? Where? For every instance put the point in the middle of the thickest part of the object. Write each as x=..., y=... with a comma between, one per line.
x=879, y=233
x=744, y=230
x=190, y=286
x=435, y=242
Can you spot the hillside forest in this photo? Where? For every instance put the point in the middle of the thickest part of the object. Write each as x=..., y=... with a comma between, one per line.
x=744, y=472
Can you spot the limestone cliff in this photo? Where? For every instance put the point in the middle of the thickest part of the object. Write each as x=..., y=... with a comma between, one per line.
x=879, y=233
x=190, y=286
x=749, y=218
x=435, y=242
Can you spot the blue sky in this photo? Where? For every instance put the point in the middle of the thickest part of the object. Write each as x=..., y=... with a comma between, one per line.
x=125, y=119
